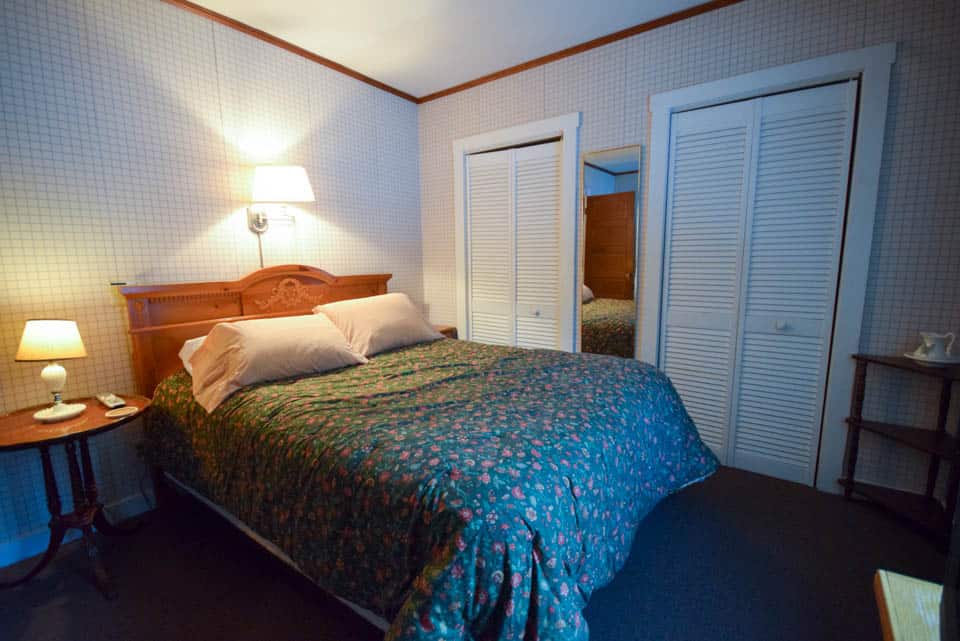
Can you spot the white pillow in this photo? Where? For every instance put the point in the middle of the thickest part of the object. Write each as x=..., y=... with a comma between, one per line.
x=587, y=294
x=378, y=323
x=235, y=355
x=189, y=347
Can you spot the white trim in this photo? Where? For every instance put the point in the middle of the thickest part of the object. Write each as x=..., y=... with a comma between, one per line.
x=568, y=128
x=872, y=66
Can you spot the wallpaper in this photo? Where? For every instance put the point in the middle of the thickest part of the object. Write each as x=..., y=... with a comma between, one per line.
x=914, y=279
x=128, y=133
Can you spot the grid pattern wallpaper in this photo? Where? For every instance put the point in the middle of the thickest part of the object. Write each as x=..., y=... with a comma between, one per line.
x=128, y=131
x=914, y=282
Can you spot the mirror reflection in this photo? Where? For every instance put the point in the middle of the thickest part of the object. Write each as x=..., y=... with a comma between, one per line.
x=610, y=191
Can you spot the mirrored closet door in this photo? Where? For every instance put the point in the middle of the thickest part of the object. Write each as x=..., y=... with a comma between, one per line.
x=609, y=304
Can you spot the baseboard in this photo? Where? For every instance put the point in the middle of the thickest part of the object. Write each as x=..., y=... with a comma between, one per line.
x=34, y=543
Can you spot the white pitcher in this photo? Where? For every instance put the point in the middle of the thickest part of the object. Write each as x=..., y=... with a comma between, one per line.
x=937, y=347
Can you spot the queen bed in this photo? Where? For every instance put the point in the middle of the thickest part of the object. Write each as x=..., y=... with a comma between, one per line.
x=454, y=490
x=608, y=327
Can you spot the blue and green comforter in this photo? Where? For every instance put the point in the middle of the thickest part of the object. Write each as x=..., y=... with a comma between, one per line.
x=462, y=491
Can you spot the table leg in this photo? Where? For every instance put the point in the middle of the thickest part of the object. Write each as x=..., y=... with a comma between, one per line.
x=84, y=514
x=57, y=528
x=76, y=480
x=853, y=433
x=100, y=521
x=953, y=484
x=934, y=470
x=89, y=482
x=100, y=577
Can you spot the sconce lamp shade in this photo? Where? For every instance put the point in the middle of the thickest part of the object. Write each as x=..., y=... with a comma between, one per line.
x=50, y=340
x=281, y=184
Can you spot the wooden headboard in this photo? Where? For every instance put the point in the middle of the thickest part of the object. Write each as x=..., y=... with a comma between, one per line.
x=162, y=317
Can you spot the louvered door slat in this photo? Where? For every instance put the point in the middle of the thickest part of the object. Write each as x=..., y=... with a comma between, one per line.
x=489, y=222
x=513, y=246
x=537, y=175
x=792, y=255
x=710, y=151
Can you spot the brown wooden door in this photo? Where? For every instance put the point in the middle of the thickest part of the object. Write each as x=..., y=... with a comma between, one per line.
x=609, y=251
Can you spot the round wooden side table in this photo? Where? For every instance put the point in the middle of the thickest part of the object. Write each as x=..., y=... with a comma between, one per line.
x=19, y=431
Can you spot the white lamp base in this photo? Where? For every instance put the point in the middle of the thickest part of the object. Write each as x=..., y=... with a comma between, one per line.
x=59, y=412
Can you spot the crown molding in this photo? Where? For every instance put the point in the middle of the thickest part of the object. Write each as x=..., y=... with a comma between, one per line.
x=607, y=171
x=678, y=16
x=584, y=46
x=288, y=46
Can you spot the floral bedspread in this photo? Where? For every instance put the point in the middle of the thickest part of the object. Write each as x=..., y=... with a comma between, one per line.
x=462, y=491
x=608, y=327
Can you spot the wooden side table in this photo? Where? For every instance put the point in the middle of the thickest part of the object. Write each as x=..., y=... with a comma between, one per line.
x=923, y=509
x=19, y=431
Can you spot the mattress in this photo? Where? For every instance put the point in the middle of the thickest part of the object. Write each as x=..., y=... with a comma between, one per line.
x=457, y=490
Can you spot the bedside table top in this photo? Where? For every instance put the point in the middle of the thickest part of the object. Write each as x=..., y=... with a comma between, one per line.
x=19, y=430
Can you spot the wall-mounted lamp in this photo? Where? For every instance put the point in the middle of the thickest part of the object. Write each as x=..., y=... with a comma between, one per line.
x=275, y=185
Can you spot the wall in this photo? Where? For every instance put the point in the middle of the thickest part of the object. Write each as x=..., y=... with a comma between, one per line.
x=625, y=182
x=127, y=136
x=597, y=182
x=915, y=263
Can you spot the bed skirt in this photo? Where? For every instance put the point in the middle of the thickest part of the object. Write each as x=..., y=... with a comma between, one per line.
x=370, y=617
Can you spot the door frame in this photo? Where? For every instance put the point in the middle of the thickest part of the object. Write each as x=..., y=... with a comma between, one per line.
x=871, y=66
x=567, y=127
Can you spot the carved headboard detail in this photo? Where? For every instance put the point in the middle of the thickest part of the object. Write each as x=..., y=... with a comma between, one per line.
x=162, y=317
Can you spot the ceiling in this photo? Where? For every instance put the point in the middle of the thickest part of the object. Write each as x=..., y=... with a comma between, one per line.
x=616, y=161
x=424, y=46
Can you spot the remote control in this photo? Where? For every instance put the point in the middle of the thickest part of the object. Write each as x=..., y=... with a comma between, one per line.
x=110, y=399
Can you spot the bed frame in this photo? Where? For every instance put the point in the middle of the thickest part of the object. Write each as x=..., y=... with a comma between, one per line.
x=162, y=317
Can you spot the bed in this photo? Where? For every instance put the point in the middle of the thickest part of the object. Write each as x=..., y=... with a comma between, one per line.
x=453, y=489
x=608, y=327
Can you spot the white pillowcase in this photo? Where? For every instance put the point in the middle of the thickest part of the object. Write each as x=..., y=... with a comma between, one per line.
x=587, y=294
x=189, y=347
x=378, y=323
x=235, y=355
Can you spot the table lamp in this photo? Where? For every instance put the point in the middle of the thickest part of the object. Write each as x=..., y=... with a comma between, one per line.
x=52, y=340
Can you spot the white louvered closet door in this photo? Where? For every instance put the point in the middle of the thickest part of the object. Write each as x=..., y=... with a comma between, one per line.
x=490, y=238
x=707, y=195
x=792, y=254
x=537, y=190
x=513, y=246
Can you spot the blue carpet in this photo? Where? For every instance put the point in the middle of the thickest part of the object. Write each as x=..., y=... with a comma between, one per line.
x=747, y=557
x=739, y=556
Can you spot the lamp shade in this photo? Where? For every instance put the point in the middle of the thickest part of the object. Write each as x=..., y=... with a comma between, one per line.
x=50, y=340
x=281, y=184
